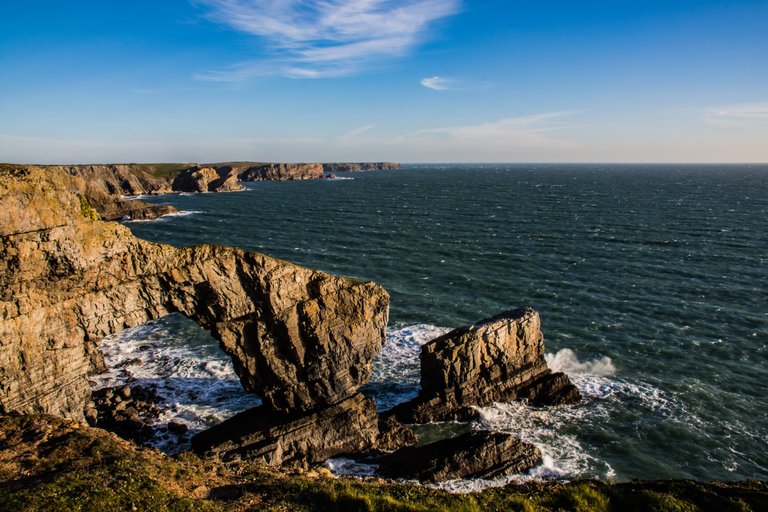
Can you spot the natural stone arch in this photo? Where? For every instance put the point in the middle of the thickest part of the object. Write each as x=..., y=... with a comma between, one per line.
x=299, y=338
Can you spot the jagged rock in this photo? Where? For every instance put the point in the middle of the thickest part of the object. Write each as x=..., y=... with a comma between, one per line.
x=471, y=455
x=116, y=209
x=360, y=166
x=495, y=360
x=300, y=338
x=297, y=439
x=127, y=411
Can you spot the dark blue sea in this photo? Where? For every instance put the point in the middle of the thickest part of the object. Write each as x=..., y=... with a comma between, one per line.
x=651, y=280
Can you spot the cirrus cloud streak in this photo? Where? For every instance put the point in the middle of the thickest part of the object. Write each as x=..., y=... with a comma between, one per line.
x=322, y=38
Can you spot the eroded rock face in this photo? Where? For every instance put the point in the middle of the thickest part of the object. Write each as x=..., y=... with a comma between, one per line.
x=497, y=359
x=278, y=172
x=471, y=455
x=300, y=337
x=298, y=439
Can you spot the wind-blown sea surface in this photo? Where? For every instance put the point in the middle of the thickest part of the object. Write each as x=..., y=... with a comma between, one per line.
x=650, y=280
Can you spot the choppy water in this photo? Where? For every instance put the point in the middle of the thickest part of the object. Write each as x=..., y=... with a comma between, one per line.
x=651, y=283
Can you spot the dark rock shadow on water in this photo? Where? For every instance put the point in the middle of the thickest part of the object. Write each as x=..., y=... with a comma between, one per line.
x=389, y=394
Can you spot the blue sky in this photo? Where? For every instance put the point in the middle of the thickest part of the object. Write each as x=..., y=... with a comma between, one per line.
x=402, y=80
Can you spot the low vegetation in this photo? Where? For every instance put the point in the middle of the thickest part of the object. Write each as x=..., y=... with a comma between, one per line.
x=48, y=464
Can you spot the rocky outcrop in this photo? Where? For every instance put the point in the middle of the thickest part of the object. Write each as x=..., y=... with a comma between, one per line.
x=498, y=359
x=295, y=439
x=303, y=340
x=67, y=280
x=360, y=166
x=278, y=172
x=207, y=179
x=471, y=455
x=123, y=179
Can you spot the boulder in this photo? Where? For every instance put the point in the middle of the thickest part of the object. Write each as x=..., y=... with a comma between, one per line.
x=471, y=455
x=498, y=359
x=127, y=411
x=296, y=439
x=394, y=435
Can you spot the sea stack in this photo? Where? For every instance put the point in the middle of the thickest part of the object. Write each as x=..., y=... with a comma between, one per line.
x=495, y=360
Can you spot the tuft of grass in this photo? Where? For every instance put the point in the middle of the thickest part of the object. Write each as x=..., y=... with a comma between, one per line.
x=164, y=170
x=583, y=497
x=86, y=209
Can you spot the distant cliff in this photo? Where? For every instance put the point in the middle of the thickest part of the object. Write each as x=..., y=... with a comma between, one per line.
x=247, y=171
x=360, y=166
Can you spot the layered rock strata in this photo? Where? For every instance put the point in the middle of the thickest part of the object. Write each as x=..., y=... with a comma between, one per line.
x=67, y=280
x=294, y=439
x=472, y=455
x=278, y=172
x=496, y=360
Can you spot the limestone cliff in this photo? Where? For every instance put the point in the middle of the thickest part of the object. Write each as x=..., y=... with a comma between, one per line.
x=360, y=166
x=67, y=280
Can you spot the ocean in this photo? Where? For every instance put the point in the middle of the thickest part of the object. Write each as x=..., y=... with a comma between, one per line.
x=651, y=281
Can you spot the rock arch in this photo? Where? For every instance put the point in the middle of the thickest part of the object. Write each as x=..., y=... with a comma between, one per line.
x=299, y=338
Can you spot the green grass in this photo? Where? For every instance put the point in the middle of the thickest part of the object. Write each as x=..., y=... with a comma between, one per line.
x=48, y=464
x=161, y=170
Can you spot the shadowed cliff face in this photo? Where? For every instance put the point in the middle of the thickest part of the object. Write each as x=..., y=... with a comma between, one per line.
x=299, y=338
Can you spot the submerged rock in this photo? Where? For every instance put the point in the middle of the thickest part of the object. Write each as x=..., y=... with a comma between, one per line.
x=298, y=439
x=495, y=360
x=471, y=455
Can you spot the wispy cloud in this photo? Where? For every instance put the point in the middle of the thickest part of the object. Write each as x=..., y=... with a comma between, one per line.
x=737, y=115
x=321, y=38
x=353, y=136
x=511, y=131
x=437, y=83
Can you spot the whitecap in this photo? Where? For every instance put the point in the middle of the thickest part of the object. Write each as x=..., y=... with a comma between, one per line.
x=566, y=361
x=342, y=466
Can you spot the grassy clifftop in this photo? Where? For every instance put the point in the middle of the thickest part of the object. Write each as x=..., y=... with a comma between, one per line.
x=52, y=464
